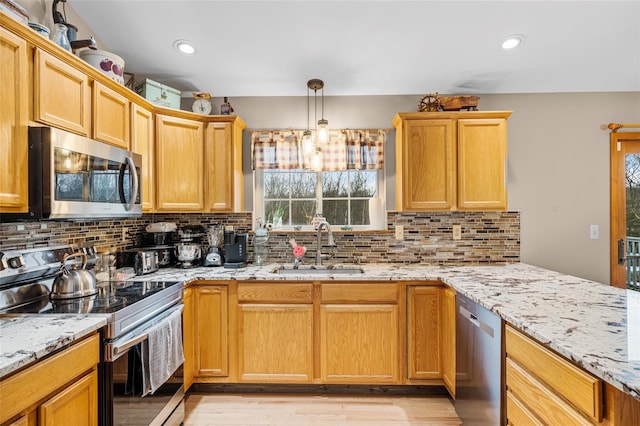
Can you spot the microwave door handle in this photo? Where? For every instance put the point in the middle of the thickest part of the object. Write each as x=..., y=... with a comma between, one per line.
x=134, y=182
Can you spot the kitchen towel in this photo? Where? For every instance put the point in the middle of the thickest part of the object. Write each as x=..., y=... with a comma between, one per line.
x=162, y=352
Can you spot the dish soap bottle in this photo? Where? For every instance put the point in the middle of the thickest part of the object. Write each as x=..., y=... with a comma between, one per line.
x=226, y=108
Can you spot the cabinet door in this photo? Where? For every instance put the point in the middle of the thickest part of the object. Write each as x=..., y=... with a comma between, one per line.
x=188, y=337
x=142, y=142
x=424, y=332
x=275, y=343
x=449, y=340
x=428, y=171
x=482, y=154
x=14, y=92
x=219, y=151
x=180, y=164
x=62, y=96
x=211, y=332
x=359, y=343
x=110, y=116
x=75, y=405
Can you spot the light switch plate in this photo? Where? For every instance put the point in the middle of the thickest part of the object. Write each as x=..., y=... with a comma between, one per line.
x=399, y=232
x=457, y=232
x=594, y=232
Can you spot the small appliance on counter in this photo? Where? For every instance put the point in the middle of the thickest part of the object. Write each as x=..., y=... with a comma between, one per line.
x=189, y=250
x=160, y=237
x=143, y=260
x=235, y=249
x=215, y=255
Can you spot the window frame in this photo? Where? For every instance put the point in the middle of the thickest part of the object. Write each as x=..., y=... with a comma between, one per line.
x=258, y=200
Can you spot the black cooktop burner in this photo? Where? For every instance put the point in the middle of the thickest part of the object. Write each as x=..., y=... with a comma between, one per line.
x=126, y=293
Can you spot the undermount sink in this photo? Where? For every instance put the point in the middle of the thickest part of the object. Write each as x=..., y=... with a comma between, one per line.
x=317, y=270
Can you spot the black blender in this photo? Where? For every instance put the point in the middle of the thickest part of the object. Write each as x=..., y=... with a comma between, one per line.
x=215, y=256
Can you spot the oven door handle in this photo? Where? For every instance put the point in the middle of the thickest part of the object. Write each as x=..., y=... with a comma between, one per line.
x=117, y=347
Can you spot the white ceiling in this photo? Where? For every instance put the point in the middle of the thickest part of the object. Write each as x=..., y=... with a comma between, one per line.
x=271, y=48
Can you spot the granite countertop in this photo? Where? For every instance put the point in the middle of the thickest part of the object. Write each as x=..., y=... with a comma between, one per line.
x=29, y=337
x=595, y=325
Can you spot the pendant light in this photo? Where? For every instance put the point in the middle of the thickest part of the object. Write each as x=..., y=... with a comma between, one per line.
x=322, y=129
x=310, y=145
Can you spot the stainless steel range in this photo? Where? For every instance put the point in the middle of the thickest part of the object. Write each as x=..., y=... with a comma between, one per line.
x=131, y=309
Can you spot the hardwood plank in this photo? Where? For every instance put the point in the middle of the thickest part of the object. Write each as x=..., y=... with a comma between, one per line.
x=309, y=409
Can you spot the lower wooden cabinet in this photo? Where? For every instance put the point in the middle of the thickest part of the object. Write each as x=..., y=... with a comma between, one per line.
x=359, y=343
x=59, y=390
x=75, y=405
x=319, y=332
x=275, y=332
x=431, y=335
x=210, y=327
x=547, y=387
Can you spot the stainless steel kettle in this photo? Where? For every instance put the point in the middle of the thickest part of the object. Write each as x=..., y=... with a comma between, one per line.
x=73, y=282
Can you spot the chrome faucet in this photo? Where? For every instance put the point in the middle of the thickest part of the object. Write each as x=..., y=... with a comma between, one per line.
x=330, y=242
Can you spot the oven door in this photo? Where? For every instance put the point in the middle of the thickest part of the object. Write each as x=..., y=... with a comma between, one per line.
x=123, y=403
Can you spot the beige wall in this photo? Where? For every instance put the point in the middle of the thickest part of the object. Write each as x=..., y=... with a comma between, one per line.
x=558, y=166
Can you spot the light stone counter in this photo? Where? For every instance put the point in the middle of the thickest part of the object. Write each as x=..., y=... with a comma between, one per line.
x=27, y=338
x=594, y=325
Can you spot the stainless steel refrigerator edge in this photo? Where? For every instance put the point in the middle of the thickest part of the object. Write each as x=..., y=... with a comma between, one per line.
x=479, y=372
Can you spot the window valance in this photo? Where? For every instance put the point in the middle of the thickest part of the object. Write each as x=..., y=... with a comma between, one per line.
x=346, y=150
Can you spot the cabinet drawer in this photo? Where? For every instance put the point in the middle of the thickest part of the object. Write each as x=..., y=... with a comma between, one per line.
x=518, y=414
x=580, y=388
x=275, y=293
x=540, y=399
x=359, y=293
x=27, y=387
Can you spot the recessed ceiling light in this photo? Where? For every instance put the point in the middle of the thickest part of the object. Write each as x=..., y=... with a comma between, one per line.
x=185, y=47
x=512, y=41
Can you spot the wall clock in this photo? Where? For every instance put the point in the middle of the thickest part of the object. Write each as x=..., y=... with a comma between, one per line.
x=202, y=103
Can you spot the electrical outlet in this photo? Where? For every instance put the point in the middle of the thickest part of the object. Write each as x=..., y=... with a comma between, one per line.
x=594, y=232
x=399, y=232
x=125, y=231
x=457, y=232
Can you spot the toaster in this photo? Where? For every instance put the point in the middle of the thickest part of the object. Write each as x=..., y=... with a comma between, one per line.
x=143, y=261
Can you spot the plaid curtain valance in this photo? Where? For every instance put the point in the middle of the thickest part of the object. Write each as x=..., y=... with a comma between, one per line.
x=345, y=150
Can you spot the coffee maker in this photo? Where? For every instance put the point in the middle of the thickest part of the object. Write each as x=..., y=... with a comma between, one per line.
x=215, y=256
x=235, y=249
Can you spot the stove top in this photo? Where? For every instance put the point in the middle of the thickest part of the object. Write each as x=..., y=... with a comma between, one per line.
x=126, y=293
x=26, y=281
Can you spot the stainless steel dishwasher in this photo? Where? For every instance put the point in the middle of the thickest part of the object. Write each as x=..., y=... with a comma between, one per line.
x=479, y=376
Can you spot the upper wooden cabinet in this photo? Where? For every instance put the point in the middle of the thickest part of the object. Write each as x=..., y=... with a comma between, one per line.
x=451, y=160
x=14, y=92
x=142, y=142
x=223, y=151
x=62, y=96
x=110, y=116
x=179, y=164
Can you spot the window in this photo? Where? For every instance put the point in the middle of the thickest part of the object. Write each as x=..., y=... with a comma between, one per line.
x=292, y=198
x=289, y=192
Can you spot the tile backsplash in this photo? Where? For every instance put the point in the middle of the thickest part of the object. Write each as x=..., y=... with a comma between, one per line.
x=487, y=237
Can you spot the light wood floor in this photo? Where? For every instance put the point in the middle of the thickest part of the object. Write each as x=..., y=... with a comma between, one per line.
x=303, y=410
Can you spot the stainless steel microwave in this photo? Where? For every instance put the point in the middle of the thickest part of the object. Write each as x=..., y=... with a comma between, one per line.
x=74, y=177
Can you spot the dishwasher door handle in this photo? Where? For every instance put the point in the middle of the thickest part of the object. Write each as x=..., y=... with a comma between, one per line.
x=476, y=322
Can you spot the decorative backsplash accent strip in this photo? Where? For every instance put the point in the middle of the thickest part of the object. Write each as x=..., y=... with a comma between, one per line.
x=487, y=237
